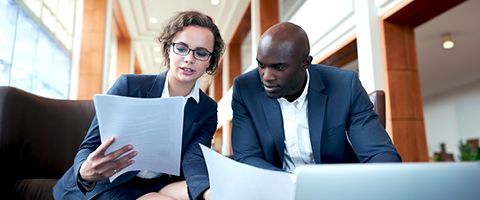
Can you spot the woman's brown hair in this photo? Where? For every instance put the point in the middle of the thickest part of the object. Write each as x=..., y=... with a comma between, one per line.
x=187, y=18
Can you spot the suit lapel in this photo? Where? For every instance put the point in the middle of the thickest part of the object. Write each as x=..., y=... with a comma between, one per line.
x=157, y=86
x=190, y=112
x=273, y=116
x=316, y=112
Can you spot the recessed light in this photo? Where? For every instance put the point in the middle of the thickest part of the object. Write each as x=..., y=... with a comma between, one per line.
x=215, y=2
x=156, y=48
x=447, y=41
x=153, y=20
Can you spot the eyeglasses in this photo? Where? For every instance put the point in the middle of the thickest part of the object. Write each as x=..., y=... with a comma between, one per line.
x=198, y=53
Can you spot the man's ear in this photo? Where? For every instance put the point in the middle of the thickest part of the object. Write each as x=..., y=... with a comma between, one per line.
x=307, y=62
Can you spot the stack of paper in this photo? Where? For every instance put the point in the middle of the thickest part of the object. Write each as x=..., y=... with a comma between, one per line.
x=154, y=126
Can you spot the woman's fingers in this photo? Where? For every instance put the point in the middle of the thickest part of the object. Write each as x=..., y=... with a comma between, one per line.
x=123, y=162
x=117, y=153
x=100, y=166
x=100, y=151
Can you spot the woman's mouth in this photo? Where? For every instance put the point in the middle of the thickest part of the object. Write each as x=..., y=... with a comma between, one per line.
x=187, y=70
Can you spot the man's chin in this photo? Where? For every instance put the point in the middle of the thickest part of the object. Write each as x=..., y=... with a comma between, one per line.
x=272, y=95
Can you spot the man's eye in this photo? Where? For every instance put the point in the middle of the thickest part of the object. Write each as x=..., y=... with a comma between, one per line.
x=260, y=65
x=280, y=67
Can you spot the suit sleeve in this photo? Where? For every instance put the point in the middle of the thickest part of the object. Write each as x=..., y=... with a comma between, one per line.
x=245, y=143
x=193, y=163
x=367, y=136
x=92, y=139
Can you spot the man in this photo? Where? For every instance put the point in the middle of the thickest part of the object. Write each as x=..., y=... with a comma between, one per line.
x=289, y=112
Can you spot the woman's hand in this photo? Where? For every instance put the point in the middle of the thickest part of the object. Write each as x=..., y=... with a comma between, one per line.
x=99, y=166
x=206, y=194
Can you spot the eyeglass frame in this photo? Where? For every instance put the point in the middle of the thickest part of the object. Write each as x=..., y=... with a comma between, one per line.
x=172, y=44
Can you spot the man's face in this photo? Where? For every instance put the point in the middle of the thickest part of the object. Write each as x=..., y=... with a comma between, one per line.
x=282, y=74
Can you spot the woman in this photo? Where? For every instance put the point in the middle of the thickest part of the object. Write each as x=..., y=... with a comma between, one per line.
x=192, y=46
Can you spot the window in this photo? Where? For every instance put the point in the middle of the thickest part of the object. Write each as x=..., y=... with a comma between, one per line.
x=30, y=58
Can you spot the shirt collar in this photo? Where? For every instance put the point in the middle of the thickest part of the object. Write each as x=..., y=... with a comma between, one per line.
x=195, y=93
x=301, y=99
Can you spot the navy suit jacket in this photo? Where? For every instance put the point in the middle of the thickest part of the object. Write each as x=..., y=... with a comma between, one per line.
x=338, y=107
x=200, y=121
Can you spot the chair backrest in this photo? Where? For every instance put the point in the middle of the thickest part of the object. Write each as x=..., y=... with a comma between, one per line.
x=39, y=137
x=378, y=99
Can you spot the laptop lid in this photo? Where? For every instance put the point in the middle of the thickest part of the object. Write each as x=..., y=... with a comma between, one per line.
x=392, y=181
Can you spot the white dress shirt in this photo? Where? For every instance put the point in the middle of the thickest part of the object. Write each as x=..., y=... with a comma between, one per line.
x=298, y=149
x=195, y=94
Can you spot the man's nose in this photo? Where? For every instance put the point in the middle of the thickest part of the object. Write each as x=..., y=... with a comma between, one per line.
x=268, y=74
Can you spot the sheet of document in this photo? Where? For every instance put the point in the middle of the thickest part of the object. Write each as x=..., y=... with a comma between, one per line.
x=237, y=181
x=154, y=126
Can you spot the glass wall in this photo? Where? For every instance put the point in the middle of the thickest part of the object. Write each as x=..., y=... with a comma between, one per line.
x=31, y=58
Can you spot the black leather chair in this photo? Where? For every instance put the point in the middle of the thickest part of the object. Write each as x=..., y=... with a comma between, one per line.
x=39, y=138
x=378, y=99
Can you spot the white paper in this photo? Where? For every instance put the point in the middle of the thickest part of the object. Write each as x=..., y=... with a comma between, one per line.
x=237, y=181
x=154, y=126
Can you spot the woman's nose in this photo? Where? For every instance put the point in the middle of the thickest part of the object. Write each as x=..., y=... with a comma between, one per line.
x=189, y=57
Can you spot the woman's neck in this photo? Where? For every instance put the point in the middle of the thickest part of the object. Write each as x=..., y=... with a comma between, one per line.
x=176, y=88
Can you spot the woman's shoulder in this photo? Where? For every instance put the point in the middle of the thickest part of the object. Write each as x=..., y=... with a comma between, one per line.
x=135, y=85
x=140, y=78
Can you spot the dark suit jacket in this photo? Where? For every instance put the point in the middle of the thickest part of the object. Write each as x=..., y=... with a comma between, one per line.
x=200, y=121
x=338, y=106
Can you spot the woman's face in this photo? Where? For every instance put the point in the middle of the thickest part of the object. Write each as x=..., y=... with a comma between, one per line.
x=198, y=43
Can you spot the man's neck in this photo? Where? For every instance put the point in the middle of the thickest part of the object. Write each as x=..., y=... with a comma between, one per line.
x=293, y=97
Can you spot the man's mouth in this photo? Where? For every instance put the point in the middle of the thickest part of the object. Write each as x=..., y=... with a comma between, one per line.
x=270, y=88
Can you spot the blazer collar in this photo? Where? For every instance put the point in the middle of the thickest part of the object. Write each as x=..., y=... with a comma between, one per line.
x=317, y=102
x=157, y=86
x=273, y=117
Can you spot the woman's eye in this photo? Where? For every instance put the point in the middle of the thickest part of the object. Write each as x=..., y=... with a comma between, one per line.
x=182, y=49
x=201, y=53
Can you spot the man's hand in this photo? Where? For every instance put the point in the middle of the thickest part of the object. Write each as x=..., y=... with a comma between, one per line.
x=99, y=166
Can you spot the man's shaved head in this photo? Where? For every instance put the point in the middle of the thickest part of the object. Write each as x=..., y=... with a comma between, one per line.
x=283, y=57
x=286, y=39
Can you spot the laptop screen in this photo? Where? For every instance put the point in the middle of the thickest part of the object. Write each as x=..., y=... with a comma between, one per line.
x=392, y=181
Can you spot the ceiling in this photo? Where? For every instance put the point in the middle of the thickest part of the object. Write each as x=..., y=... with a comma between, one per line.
x=439, y=69
x=137, y=14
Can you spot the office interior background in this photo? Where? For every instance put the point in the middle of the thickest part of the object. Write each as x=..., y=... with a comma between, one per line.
x=73, y=49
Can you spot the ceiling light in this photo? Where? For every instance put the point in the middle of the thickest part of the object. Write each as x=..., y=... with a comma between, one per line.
x=158, y=60
x=156, y=49
x=153, y=20
x=447, y=41
x=215, y=2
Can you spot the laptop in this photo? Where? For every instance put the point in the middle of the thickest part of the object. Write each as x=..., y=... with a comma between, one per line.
x=393, y=181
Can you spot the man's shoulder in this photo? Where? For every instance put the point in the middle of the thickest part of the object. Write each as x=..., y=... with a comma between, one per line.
x=329, y=69
x=252, y=74
x=330, y=73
